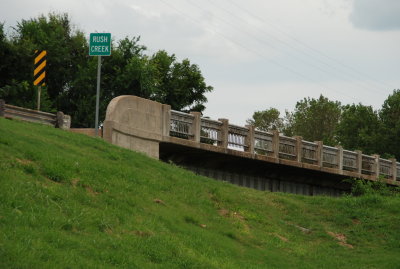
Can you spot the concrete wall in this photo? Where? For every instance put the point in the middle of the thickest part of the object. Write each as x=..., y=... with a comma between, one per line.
x=136, y=123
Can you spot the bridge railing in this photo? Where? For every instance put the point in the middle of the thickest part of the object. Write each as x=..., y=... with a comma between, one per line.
x=210, y=132
x=272, y=144
x=368, y=165
x=237, y=137
x=330, y=157
x=287, y=148
x=397, y=171
x=181, y=125
x=385, y=168
x=350, y=161
x=309, y=152
x=263, y=142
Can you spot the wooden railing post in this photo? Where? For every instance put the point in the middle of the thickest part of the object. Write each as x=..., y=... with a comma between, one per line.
x=359, y=161
x=196, y=126
x=377, y=168
x=394, y=169
x=166, y=110
x=275, y=144
x=299, y=148
x=250, y=138
x=2, y=107
x=224, y=133
x=319, y=152
x=340, y=157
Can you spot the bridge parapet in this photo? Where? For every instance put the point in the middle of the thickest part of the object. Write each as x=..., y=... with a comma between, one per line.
x=141, y=124
x=314, y=155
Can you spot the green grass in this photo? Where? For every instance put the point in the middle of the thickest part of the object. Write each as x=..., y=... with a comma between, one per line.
x=71, y=201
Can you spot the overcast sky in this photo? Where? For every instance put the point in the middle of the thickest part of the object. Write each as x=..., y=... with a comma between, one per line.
x=256, y=54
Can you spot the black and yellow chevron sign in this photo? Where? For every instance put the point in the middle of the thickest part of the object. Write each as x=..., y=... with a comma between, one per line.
x=39, y=74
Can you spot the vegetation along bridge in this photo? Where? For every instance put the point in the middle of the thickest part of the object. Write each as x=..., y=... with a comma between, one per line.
x=237, y=154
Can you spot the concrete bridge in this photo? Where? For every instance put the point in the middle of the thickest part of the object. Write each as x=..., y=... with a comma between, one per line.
x=237, y=154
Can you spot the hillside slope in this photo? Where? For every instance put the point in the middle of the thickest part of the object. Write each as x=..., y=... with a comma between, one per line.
x=71, y=201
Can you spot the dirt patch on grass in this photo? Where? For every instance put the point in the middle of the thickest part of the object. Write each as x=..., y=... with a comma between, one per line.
x=138, y=233
x=236, y=216
x=74, y=182
x=91, y=191
x=226, y=213
x=24, y=161
x=159, y=201
x=341, y=238
x=284, y=239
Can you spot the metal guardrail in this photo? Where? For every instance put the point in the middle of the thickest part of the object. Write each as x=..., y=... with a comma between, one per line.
x=14, y=112
x=26, y=114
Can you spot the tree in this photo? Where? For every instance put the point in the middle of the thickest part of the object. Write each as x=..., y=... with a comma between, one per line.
x=71, y=73
x=66, y=49
x=359, y=128
x=180, y=84
x=7, y=58
x=315, y=119
x=390, y=118
x=267, y=120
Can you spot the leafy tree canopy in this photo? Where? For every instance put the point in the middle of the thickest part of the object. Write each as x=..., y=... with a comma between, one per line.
x=390, y=118
x=71, y=73
x=267, y=120
x=315, y=119
x=359, y=128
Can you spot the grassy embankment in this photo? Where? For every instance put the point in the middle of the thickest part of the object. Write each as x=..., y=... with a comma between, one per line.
x=71, y=201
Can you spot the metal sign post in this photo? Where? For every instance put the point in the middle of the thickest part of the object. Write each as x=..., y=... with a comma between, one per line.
x=38, y=97
x=99, y=45
x=96, y=125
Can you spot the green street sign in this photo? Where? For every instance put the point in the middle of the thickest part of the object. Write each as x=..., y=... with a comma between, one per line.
x=100, y=44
